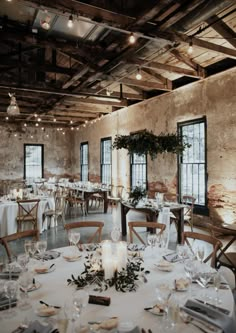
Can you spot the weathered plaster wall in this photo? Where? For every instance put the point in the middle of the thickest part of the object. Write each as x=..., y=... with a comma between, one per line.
x=57, y=152
x=215, y=98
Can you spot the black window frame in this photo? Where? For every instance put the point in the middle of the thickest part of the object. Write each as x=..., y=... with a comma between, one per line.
x=132, y=186
x=102, y=159
x=42, y=157
x=81, y=160
x=198, y=209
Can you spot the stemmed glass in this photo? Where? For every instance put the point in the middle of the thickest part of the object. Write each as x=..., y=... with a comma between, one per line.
x=152, y=240
x=163, y=292
x=41, y=247
x=182, y=251
x=217, y=282
x=190, y=269
x=80, y=301
x=23, y=260
x=200, y=253
x=115, y=234
x=74, y=237
x=25, y=281
x=203, y=279
x=11, y=288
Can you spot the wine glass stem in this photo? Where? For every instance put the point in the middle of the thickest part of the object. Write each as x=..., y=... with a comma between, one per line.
x=9, y=304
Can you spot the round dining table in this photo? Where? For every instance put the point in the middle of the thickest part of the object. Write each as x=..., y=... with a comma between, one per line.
x=129, y=307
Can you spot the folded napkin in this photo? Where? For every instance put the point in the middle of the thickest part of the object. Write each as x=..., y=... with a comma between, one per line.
x=35, y=326
x=210, y=315
x=48, y=255
x=172, y=257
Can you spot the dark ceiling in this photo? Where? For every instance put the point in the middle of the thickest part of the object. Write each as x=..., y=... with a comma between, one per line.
x=77, y=74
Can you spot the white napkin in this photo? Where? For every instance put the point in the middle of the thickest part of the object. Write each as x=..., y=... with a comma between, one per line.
x=210, y=315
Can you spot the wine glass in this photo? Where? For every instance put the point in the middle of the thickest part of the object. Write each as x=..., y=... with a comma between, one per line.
x=11, y=288
x=74, y=237
x=200, y=253
x=27, y=246
x=216, y=283
x=182, y=251
x=163, y=292
x=173, y=310
x=25, y=282
x=151, y=240
x=190, y=269
x=41, y=247
x=80, y=301
x=204, y=277
x=23, y=260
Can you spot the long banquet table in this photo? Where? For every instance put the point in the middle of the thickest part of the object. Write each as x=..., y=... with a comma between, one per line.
x=127, y=306
x=9, y=211
x=152, y=212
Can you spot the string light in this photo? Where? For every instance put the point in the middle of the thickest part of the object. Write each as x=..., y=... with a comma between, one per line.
x=39, y=119
x=54, y=120
x=190, y=48
x=25, y=124
x=70, y=22
x=139, y=75
x=7, y=118
x=71, y=122
x=132, y=38
x=36, y=124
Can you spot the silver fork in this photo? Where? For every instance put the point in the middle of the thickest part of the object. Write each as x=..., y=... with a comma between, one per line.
x=187, y=319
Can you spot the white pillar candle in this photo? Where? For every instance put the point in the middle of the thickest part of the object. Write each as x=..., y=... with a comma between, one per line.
x=108, y=267
x=121, y=248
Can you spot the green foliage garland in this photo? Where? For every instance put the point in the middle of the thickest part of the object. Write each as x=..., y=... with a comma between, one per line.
x=145, y=142
x=123, y=281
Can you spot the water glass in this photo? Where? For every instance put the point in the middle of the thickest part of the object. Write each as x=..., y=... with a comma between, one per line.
x=23, y=260
x=41, y=247
x=182, y=251
x=25, y=281
x=11, y=288
x=173, y=311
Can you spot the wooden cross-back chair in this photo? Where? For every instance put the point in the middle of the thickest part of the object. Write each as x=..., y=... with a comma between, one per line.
x=225, y=257
x=142, y=224
x=96, y=236
x=216, y=244
x=58, y=212
x=189, y=201
x=27, y=212
x=33, y=234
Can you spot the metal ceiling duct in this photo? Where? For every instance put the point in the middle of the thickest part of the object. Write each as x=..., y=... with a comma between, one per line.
x=201, y=14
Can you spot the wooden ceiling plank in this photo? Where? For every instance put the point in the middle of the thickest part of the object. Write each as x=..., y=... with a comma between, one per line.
x=144, y=84
x=179, y=37
x=165, y=67
x=222, y=29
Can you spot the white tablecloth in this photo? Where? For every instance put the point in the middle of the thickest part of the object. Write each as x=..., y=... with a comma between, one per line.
x=130, y=305
x=8, y=214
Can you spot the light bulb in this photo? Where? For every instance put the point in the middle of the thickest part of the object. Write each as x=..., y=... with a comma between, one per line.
x=132, y=38
x=70, y=22
x=54, y=120
x=190, y=48
x=139, y=75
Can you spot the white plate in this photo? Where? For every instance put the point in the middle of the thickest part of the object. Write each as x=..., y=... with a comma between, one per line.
x=168, y=268
x=49, y=270
x=72, y=258
x=51, y=312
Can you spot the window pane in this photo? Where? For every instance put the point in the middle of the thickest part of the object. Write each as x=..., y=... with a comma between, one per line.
x=138, y=171
x=192, y=163
x=33, y=161
x=106, y=150
x=84, y=162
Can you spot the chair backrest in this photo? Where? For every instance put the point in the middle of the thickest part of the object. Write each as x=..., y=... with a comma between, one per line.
x=34, y=234
x=28, y=211
x=60, y=203
x=216, y=244
x=189, y=201
x=96, y=236
x=116, y=191
x=141, y=224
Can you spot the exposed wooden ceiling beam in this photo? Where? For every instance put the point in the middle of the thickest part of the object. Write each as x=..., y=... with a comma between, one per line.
x=222, y=29
x=179, y=37
x=167, y=83
x=144, y=84
x=116, y=94
x=165, y=67
x=38, y=67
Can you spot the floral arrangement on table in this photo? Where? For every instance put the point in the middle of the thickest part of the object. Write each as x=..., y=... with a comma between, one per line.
x=124, y=280
x=145, y=142
x=137, y=194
